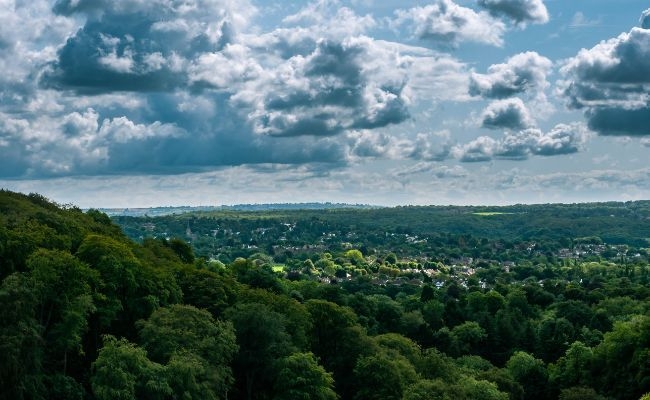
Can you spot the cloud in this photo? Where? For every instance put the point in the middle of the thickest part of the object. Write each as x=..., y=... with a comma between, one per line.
x=610, y=82
x=506, y=114
x=432, y=146
x=579, y=20
x=136, y=45
x=367, y=144
x=331, y=19
x=520, y=11
x=446, y=24
x=193, y=86
x=645, y=19
x=521, y=73
x=354, y=84
x=478, y=150
x=610, y=181
x=562, y=139
x=29, y=37
x=431, y=169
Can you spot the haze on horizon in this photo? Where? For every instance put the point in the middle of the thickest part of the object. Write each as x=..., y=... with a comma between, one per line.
x=138, y=103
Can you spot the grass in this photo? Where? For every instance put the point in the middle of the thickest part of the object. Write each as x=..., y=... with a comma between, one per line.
x=489, y=214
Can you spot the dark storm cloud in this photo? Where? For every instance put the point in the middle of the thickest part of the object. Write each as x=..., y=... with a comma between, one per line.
x=520, y=73
x=619, y=121
x=520, y=11
x=611, y=83
x=506, y=114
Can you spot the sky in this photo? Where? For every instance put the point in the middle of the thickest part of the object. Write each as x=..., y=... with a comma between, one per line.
x=138, y=103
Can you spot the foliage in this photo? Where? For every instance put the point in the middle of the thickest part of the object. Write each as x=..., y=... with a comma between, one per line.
x=300, y=377
x=520, y=302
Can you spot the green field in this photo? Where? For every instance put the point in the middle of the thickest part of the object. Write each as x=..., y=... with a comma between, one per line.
x=489, y=214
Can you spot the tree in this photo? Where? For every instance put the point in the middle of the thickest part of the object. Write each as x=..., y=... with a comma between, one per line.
x=62, y=286
x=300, y=377
x=470, y=388
x=182, y=249
x=135, y=280
x=192, y=377
x=383, y=377
x=296, y=317
x=504, y=381
x=122, y=371
x=355, y=256
x=466, y=337
x=437, y=365
x=21, y=346
x=192, y=343
x=400, y=345
x=530, y=372
x=426, y=390
x=580, y=393
x=208, y=290
x=621, y=365
x=262, y=339
x=554, y=338
x=574, y=368
x=338, y=341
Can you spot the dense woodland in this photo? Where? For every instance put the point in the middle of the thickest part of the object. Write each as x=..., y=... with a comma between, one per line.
x=527, y=302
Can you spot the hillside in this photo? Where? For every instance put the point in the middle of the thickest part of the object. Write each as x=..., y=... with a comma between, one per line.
x=376, y=313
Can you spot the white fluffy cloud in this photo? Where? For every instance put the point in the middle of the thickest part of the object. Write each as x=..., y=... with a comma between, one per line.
x=611, y=83
x=507, y=114
x=447, y=24
x=562, y=139
x=339, y=86
x=524, y=72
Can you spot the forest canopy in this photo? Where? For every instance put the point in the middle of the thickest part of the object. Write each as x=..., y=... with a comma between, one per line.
x=524, y=302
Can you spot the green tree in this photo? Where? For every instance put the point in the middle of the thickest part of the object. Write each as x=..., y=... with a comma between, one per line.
x=122, y=371
x=466, y=338
x=621, y=365
x=208, y=290
x=437, y=365
x=554, y=335
x=383, y=377
x=190, y=376
x=574, y=368
x=426, y=390
x=190, y=341
x=295, y=315
x=262, y=339
x=530, y=372
x=580, y=393
x=62, y=286
x=21, y=345
x=338, y=341
x=134, y=281
x=300, y=377
x=400, y=345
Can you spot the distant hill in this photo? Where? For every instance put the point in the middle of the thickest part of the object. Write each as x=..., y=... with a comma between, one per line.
x=162, y=211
